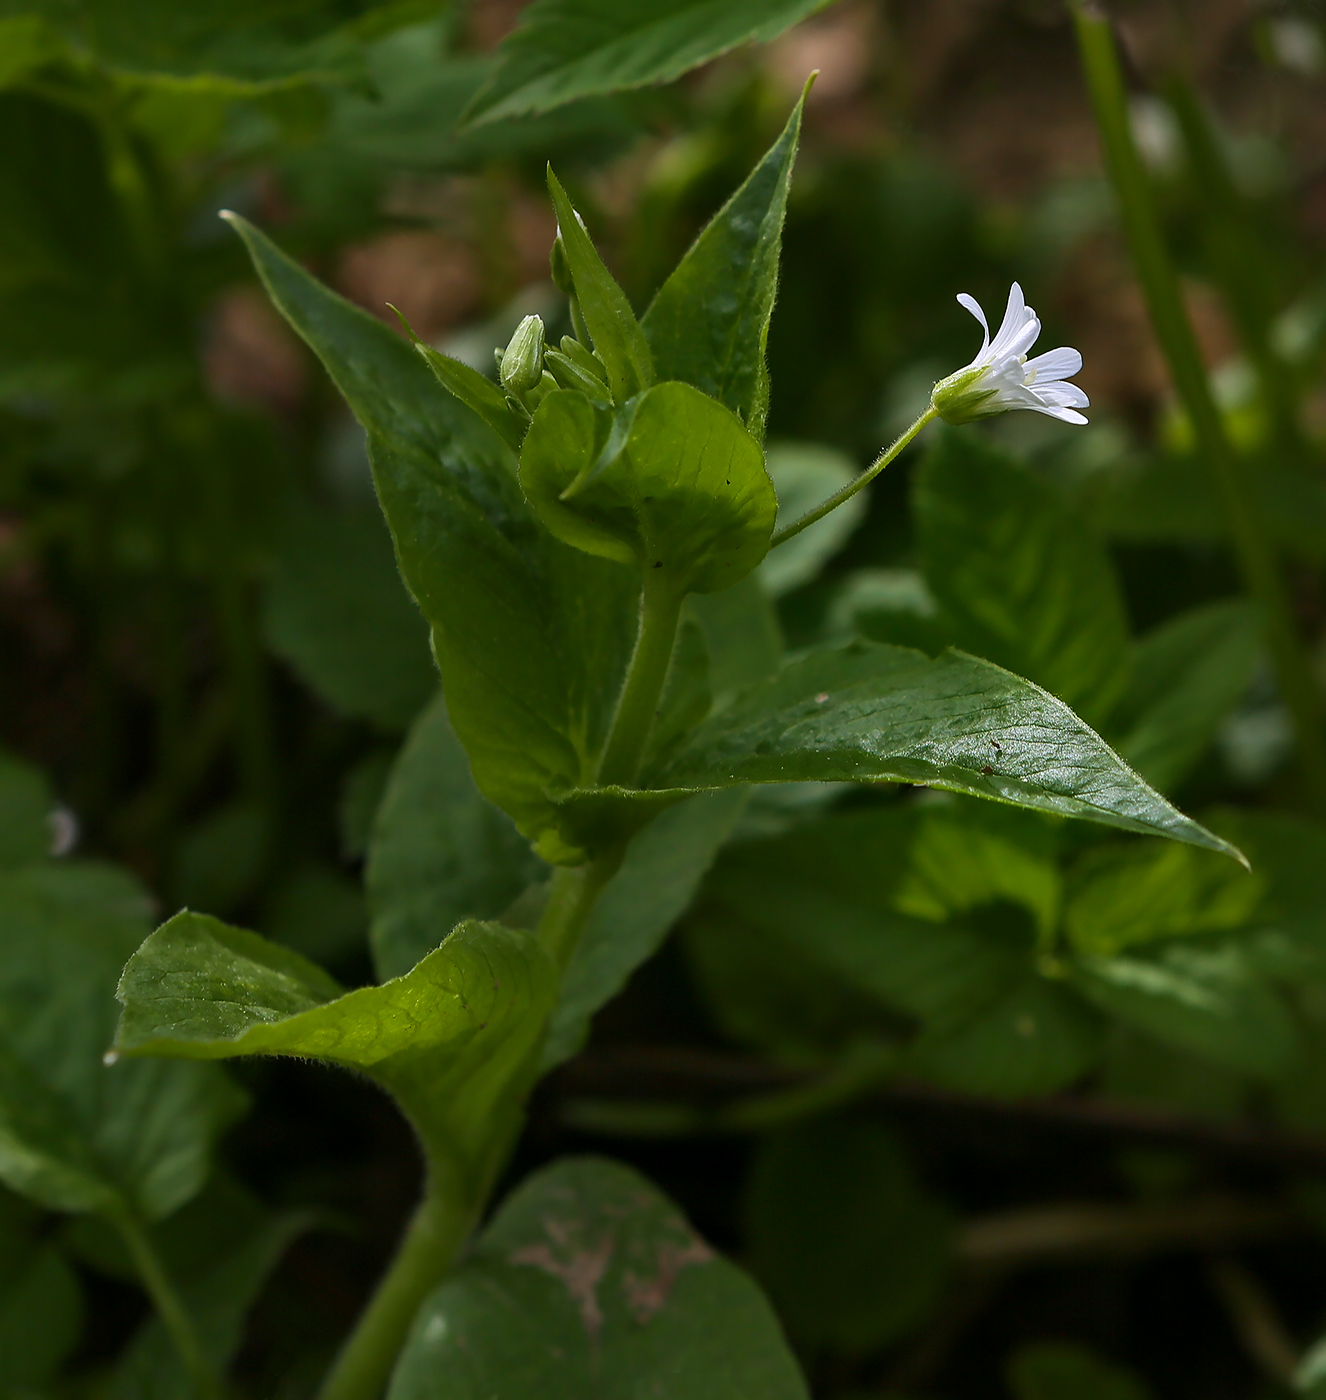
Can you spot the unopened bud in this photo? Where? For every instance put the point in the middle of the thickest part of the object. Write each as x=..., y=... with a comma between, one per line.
x=522, y=360
x=561, y=264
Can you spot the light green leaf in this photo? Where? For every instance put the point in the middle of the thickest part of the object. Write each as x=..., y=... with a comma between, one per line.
x=1060, y=1371
x=455, y=1040
x=1022, y=579
x=74, y=1134
x=336, y=610
x=589, y=1282
x=804, y=474
x=532, y=637
x=440, y=851
x=25, y=809
x=673, y=485
x=26, y=42
x=656, y=884
x=566, y=49
x=1188, y=674
x=853, y=1250
x=880, y=712
x=618, y=339
x=708, y=325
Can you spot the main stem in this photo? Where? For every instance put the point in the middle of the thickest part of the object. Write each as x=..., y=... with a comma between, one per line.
x=1160, y=284
x=852, y=487
x=169, y=1305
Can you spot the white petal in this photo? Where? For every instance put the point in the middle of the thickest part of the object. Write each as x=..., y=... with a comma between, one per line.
x=1064, y=415
x=970, y=303
x=1062, y=363
x=1015, y=317
x=1061, y=395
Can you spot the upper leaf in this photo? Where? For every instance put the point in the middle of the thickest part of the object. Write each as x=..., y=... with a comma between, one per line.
x=709, y=323
x=566, y=49
x=673, y=484
x=532, y=637
x=454, y=1039
x=881, y=712
x=588, y=1282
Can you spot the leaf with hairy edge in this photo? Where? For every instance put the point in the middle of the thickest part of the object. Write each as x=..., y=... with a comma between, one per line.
x=589, y=1282
x=709, y=322
x=567, y=49
x=532, y=637
x=871, y=712
x=454, y=1040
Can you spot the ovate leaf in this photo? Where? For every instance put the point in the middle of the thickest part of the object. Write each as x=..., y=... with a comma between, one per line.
x=1022, y=579
x=709, y=323
x=453, y=1040
x=589, y=1282
x=673, y=485
x=566, y=49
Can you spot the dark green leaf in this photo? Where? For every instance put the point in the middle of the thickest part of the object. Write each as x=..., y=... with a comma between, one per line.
x=440, y=851
x=1188, y=674
x=879, y=712
x=1023, y=580
x=851, y=1247
x=804, y=474
x=454, y=1040
x=318, y=910
x=531, y=637
x=566, y=49
x=41, y=1314
x=25, y=810
x=1060, y=1371
x=336, y=610
x=74, y=1134
x=674, y=485
x=618, y=339
x=588, y=1282
x=709, y=323
x=741, y=631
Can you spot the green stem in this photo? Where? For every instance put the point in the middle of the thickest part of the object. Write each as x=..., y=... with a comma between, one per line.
x=850, y=490
x=1169, y=318
x=575, y=891
x=168, y=1303
x=660, y=612
x=439, y=1228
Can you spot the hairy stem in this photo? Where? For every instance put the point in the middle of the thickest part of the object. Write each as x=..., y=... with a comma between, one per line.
x=169, y=1305
x=660, y=611
x=852, y=487
x=1169, y=318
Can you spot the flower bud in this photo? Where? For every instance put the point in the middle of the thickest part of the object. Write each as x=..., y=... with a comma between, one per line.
x=522, y=360
x=561, y=264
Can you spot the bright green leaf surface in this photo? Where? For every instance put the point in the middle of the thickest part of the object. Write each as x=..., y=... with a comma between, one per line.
x=851, y=1247
x=804, y=474
x=673, y=485
x=709, y=323
x=1188, y=674
x=336, y=610
x=872, y=712
x=531, y=636
x=74, y=1134
x=1021, y=577
x=566, y=49
x=440, y=851
x=587, y=1283
x=25, y=808
x=449, y=1039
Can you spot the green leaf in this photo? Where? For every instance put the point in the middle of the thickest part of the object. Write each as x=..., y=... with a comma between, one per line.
x=589, y=1282
x=1144, y=891
x=804, y=474
x=853, y=1250
x=532, y=637
x=673, y=485
x=708, y=325
x=475, y=392
x=75, y=1135
x=656, y=884
x=567, y=49
x=41, y=1311
x=878, y=712
x=26, y=42
x=455, y=1040
x=1023, y=580
x=440, y=851
x=1060, y=1371
x=618, y=339
x=742, y=635
x=1206, y=998
x=25, y=809
x=1188, y=674
x=336, y=610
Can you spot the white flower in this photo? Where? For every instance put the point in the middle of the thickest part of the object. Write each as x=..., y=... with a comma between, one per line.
x=1001, y=377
